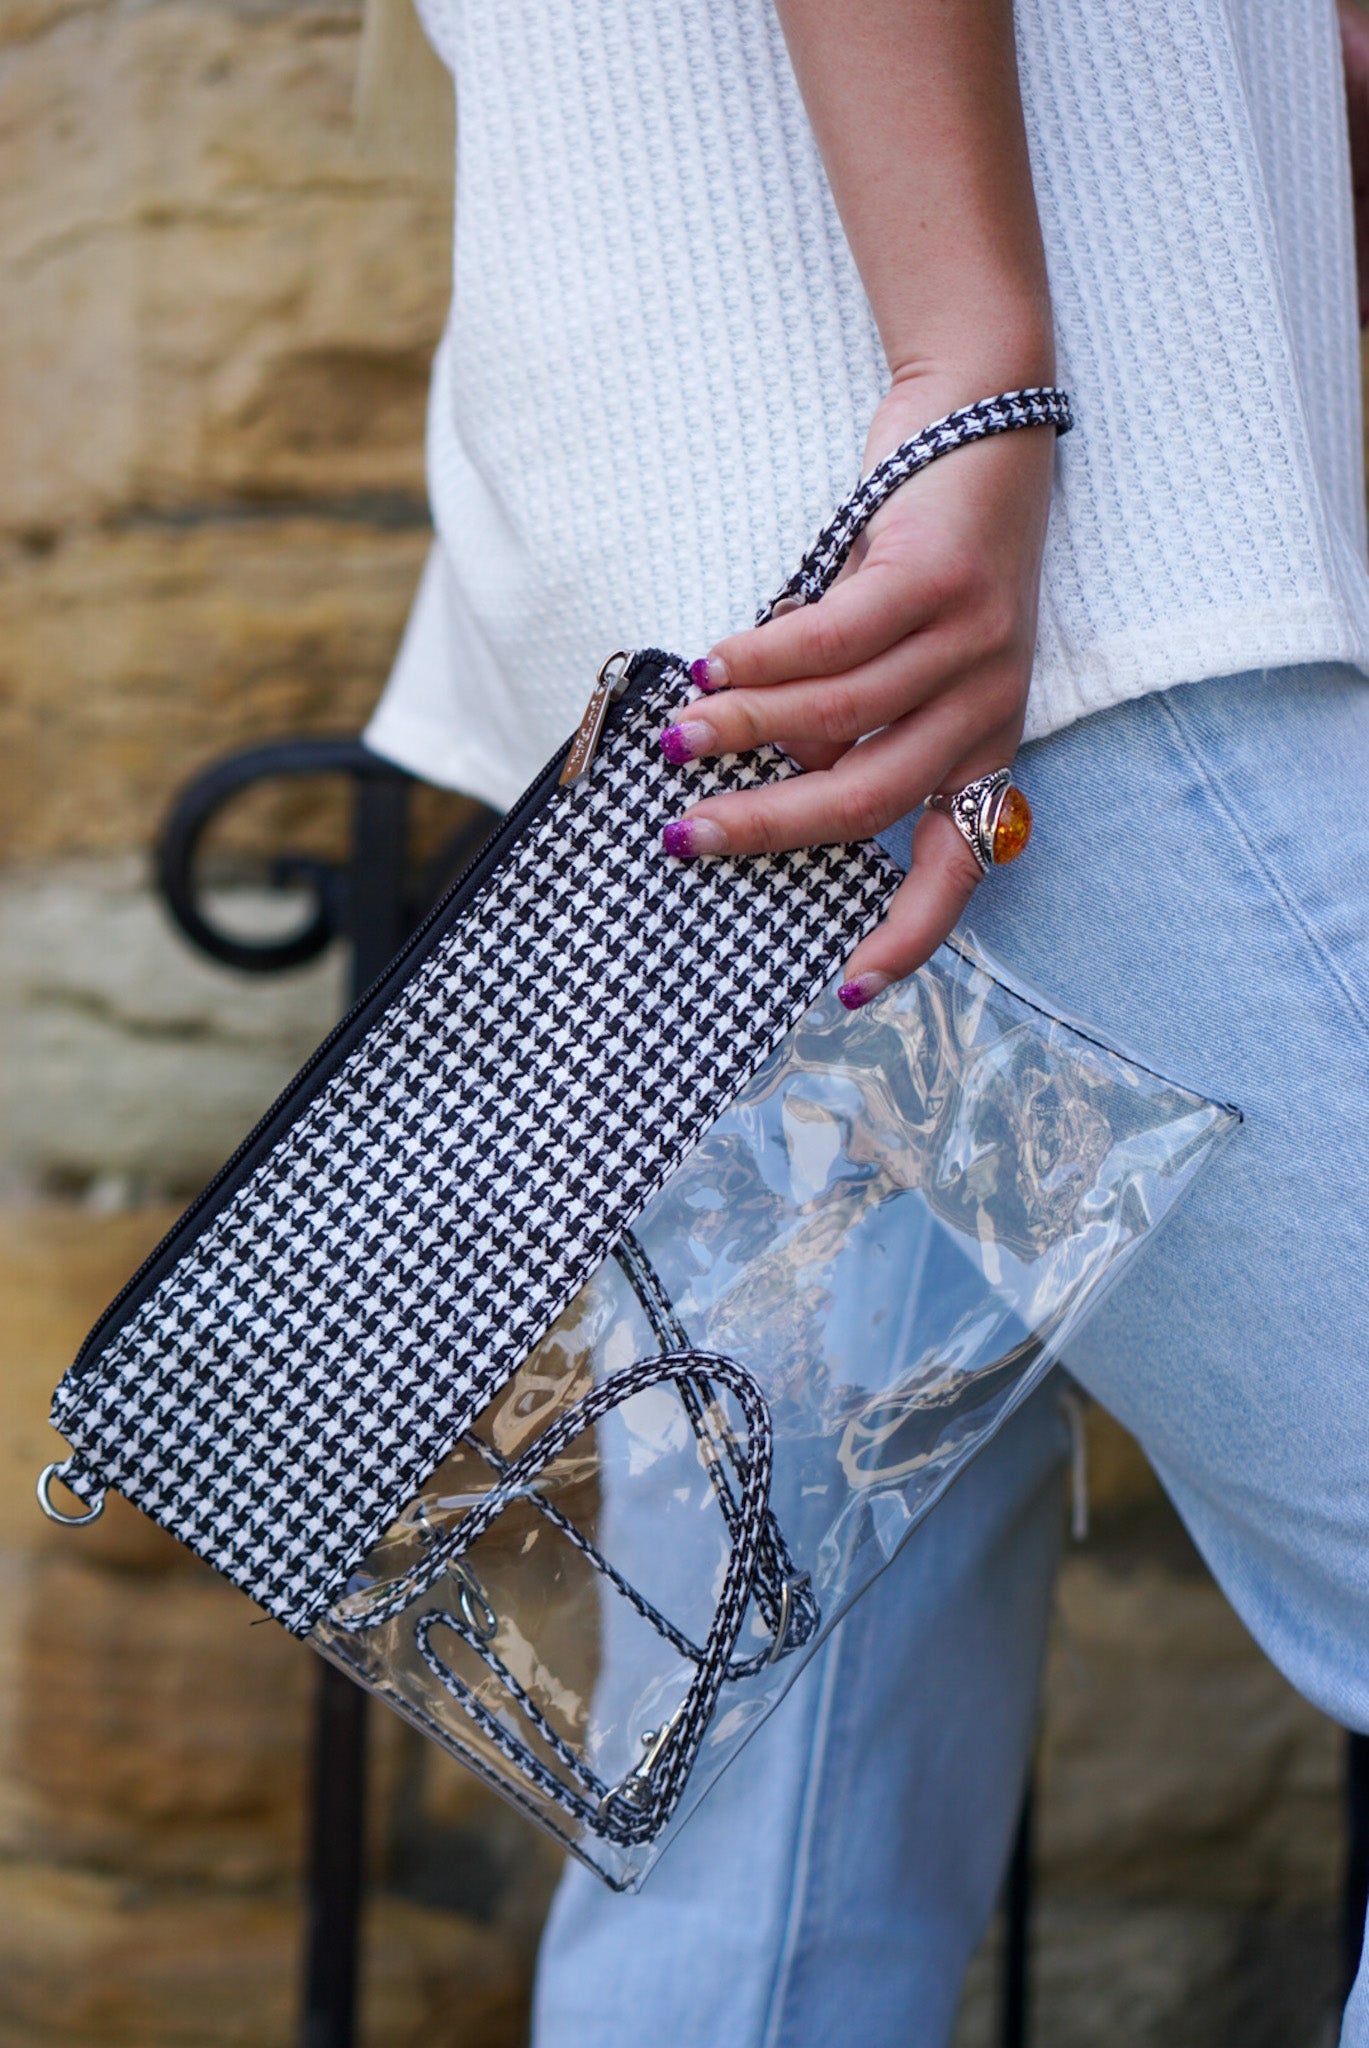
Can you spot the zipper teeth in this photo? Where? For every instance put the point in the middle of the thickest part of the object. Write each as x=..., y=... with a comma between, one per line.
x=529, y=804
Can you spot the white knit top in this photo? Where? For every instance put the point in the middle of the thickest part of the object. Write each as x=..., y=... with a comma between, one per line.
x=660, y=364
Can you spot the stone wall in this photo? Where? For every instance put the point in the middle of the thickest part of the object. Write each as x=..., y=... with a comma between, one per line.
x=152, y=1750
x=218, y=323
x=218, y=315
x=1190, y=1830
x=213, y=363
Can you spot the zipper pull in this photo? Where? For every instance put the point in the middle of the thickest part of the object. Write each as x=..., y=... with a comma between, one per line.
x=611, y=683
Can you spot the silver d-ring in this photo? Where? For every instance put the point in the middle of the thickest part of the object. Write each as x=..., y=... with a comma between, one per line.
x=476, y=1611
x=780, y=1641
x=57, y=1470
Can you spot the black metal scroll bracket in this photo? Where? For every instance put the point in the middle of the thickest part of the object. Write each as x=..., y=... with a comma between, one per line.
x=370, y=900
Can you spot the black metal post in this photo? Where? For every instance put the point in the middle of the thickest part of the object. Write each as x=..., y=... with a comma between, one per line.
x=1017, y=1908
x=375, y=921
x=370, y=901
x=1355, y=1898
x=333, y=1881
x=1015, y=1982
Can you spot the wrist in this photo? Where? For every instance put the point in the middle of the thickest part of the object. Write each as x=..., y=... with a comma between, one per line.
x=1001, y=350
x=927, y=386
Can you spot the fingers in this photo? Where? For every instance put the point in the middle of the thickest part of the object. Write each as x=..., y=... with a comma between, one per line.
x=825, y=711
x=857, y=619
x=869, y=788
x=806, y=756
x=928, y=906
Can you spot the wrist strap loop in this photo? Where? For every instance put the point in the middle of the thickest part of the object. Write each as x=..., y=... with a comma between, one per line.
x=1038, y=405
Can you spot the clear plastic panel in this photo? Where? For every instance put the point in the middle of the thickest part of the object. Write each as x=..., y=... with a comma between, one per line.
x=827, y=1311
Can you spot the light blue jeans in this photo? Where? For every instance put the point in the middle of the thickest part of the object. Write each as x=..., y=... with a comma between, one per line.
x=1198, y=889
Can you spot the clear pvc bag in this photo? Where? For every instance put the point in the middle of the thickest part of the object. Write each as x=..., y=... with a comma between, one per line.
x=871, y=1259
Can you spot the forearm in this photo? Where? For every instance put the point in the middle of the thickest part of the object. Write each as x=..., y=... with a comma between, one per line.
x=917, y=114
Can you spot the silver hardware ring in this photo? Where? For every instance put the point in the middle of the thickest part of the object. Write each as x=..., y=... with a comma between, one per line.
x=476, y=1611
x=54, y=1514
x=781, y=1635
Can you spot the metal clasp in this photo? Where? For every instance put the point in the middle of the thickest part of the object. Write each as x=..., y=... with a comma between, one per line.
x=636, y=1784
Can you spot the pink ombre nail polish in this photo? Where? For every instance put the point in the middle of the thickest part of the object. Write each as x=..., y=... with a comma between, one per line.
x=856, y=994
x=686, y=741
x=686, y=838
x=709, y=674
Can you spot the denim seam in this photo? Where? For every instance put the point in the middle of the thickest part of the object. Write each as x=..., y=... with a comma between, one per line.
x=1287, y=902
x=803, y=1849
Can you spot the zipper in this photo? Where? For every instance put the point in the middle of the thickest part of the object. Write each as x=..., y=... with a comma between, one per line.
x=613, y=685
x=612, y=681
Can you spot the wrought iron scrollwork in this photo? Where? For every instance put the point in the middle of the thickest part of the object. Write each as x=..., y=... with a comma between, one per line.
x=368, y=897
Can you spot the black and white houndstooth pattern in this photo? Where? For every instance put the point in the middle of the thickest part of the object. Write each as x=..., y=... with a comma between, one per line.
x=332, y=1330
x=1035, y=405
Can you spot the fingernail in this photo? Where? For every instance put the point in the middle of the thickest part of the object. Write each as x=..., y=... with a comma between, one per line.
x=685, y=742
x=684, y=838
x=856, y=994
x=709, y=673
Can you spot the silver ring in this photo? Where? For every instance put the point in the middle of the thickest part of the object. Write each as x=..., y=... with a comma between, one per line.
x=976, y=811
x=58, y=1471
x=780, y=1642
x=476, y=1611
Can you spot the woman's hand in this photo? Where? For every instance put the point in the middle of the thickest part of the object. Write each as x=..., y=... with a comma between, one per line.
x=909, y=676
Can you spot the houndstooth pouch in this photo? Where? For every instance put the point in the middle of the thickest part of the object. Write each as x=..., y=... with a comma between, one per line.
x=601, y=1305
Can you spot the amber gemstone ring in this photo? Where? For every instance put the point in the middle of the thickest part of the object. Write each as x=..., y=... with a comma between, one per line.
x=991, y=815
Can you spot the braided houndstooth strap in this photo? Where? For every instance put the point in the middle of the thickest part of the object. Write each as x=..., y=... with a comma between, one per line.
x=1038, y=405
x=783, y=1594
x=639, y=1808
